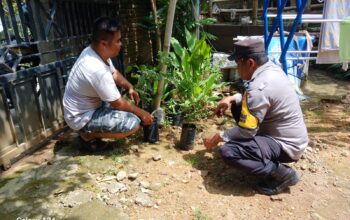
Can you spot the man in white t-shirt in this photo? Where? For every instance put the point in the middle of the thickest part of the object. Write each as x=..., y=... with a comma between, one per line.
x=92, y=102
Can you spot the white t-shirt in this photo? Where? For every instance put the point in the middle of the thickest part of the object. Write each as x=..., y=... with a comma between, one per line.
x=89, y=84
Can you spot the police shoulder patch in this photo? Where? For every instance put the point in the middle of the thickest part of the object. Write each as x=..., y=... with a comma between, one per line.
x=247, y=120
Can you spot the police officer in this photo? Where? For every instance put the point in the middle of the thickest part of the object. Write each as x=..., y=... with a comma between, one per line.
x=270, y=127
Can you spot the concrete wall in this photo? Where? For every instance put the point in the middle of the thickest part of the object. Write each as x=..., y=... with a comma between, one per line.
x=226, y=32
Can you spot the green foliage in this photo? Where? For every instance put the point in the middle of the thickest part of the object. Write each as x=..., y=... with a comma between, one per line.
x=204, y=22
x=117, y=155
x=111, y=172
x=7, y=17
x=184, y=19
x=172, y=106
x=193, y=76
x=200, y=216
x=193, y=159
x=147, y=83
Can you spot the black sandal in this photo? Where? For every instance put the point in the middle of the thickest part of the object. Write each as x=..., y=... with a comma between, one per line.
x=93, y=145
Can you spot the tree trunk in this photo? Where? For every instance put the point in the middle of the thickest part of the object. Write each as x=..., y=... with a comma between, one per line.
x=210, y=8
x=166, y=48
x=255, y=11
x=197, y=12
x=155, y=20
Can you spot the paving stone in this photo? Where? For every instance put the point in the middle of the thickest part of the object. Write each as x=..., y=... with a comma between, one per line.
x=133, y=176
x=114, y=202
x=77, y=197
x=116, y=187
x=315, y=216
x=143, y=200
x=135, y=148
x=157, y=157
x=121, y=175
x=345, y=153
x=145, y=184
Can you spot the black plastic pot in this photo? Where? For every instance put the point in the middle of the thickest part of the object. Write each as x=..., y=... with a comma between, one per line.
x=188, y=135
x=150, y=132
x=175, y=119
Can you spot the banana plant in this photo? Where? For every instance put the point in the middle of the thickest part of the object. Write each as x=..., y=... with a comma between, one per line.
x=193, y=76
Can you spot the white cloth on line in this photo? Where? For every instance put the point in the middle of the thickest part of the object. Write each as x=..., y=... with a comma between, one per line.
x=329, y=36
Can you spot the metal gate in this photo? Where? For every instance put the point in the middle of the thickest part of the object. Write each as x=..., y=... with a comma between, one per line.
x=40, y=40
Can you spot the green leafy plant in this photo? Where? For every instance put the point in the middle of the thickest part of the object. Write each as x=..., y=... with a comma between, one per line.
x=204, y=22
x=193, y=76
x=111, y=172
x=172, y=106
x=193, y=159
x=198, y=215
x=117, y=155
x=147, y=78
x=184, y=19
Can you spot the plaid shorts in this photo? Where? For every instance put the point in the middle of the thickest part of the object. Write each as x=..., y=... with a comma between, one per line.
x=107, y=119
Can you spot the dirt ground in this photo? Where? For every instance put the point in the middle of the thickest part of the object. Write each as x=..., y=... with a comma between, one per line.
x=137, y=180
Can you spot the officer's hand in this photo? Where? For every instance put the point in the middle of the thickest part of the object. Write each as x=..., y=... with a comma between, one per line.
x=223, y=105
x=134, y=96
x=211, y=142
x=220, y=109
x=146, y=118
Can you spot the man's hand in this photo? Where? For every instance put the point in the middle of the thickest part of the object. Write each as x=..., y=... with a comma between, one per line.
x=146, y=117
x=134, y=96
x=124, y=83
x=123, y=105
x=211, y=142
x=223, y=106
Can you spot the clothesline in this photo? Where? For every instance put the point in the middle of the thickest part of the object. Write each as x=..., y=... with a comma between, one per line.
x=296, y=51
x=307, y=18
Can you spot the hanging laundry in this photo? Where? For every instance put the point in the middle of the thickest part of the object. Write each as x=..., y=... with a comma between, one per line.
x=329, y=36
x=344, y=43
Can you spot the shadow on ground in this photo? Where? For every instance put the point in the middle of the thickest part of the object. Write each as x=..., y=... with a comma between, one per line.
x=29, y=195
x=218, y=178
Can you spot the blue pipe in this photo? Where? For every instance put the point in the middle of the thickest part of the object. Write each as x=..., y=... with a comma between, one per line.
x=276, y=21
x=281, y=6
x=298, y=4
x=296, y=23
x=266, y=24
